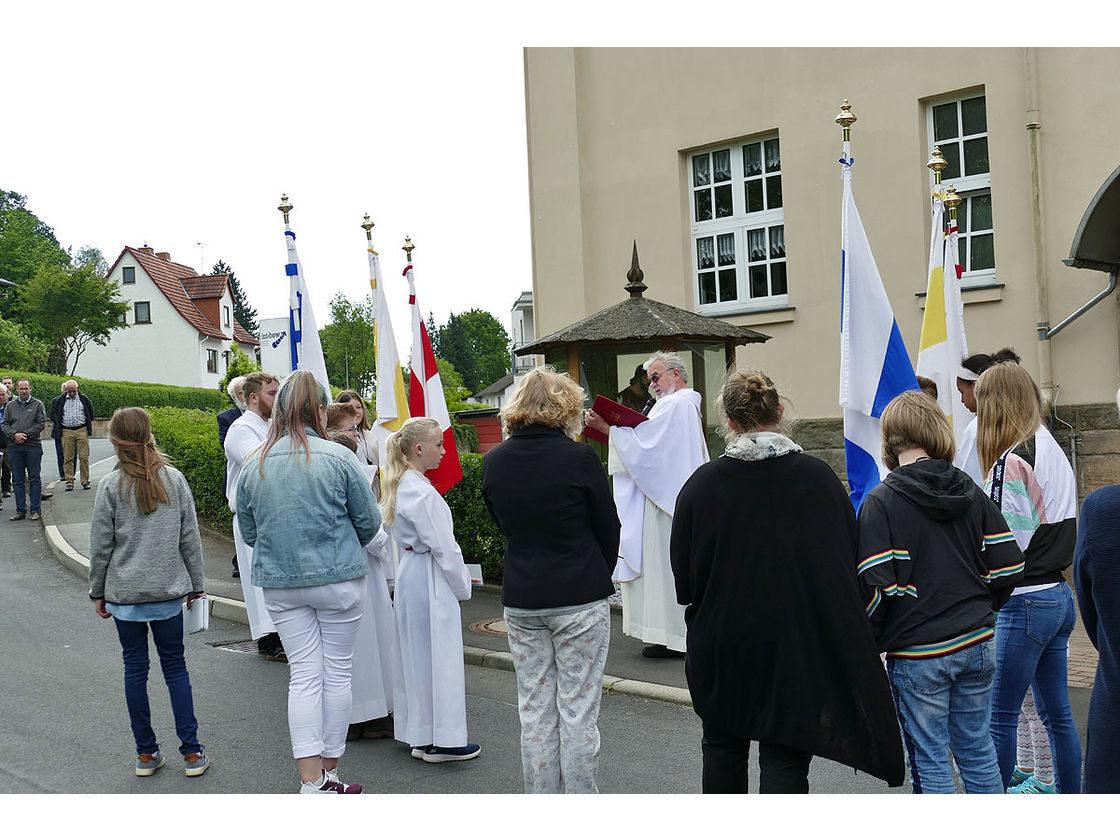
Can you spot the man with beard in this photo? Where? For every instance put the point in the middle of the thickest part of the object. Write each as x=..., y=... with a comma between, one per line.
x=245, y=434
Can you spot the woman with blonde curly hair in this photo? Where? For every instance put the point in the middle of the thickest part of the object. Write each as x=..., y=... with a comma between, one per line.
x=550, y=496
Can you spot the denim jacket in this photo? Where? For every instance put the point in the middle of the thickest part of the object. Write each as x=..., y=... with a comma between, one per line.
x=306, y=520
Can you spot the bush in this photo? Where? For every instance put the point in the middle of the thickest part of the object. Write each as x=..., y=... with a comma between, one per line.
x=466, y=436
x=190, y=439
x=108, y=396
x=476, y=531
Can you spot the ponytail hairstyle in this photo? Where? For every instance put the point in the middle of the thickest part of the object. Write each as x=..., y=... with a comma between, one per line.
x=1008, y=411
x=751, y=399
x=296, y=409
x=130, y=430
x=415, y=430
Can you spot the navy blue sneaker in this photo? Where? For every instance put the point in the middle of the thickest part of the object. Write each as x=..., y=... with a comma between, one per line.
x=437, y=755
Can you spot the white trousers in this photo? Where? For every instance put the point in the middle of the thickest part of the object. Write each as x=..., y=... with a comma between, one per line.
x=318, y=626
x=559, y=661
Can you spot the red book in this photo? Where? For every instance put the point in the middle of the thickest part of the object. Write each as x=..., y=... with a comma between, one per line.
x=616, y=414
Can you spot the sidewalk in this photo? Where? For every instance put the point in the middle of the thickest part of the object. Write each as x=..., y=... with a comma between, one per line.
x=66, y=518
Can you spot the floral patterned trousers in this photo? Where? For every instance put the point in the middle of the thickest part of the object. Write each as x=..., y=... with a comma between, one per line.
x=559, y=661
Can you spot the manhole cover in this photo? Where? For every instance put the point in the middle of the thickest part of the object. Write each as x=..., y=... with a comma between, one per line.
x=490, y=627
x=237, y=647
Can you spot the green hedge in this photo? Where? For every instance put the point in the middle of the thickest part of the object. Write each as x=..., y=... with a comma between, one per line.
x=107, y=396
x=476, y=531
x=190, y=438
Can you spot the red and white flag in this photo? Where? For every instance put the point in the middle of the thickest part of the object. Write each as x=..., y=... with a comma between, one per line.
x=425, y=395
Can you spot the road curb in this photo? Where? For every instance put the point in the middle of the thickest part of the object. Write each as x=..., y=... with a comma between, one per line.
x=233, y=610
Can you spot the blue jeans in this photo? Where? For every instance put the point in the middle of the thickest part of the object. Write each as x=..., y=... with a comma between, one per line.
x=943, y=704
x=168, y=636
x=1032, y=646
x=25, y=461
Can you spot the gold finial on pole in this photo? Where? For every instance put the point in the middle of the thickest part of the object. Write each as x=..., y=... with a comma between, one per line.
x=368, y=225
x=845, y=119
x=952, y=200
x=285, y=207
x=937, y=163
x=408, y=247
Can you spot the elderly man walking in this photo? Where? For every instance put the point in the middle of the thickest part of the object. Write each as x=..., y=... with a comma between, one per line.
x=24, y=420
x=72, y=417
x=650, y=463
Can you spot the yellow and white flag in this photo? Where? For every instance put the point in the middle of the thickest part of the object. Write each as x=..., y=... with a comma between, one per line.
x=392, y=399
x=943, y=344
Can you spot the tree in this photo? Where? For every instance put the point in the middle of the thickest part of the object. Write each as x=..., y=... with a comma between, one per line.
x=239, y=365
x=242, y=311
x=70, y=306
x=478, y=345
x=348, y=344
x=433, y=334
x=26, y=242
x=454, y=392
x=18, y=350
x=89, y=256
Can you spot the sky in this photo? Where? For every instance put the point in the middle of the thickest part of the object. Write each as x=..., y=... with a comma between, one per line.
x=180, y=126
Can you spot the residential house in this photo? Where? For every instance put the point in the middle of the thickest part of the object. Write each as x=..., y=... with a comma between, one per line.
x=181, y=325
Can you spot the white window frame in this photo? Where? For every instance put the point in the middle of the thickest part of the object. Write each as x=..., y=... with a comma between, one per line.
x=968, y=186
x=225, y=315
x=738, y=225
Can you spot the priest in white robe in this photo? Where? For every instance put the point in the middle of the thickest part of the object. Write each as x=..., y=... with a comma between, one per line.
x=650, y=463
x=245, y=434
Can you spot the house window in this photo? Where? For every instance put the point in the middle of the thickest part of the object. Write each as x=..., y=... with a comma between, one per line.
x=225, y=316
x=225, y=359
x=960, y=128
x=738, y=227
x=128, y=275
x=143, y=311
x=211, y=361
x=124, y=318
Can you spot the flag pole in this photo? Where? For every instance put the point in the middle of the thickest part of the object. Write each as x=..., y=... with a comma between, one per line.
x=951, y=201
x=286, y=208
x=408, y=248
x=845, y=119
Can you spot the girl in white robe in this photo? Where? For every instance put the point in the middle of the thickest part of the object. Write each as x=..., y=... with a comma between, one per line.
x=431, y=580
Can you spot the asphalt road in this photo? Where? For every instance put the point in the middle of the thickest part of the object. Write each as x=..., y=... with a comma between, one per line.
x=64, y=727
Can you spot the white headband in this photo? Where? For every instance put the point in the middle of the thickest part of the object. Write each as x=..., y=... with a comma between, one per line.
x=967, y=375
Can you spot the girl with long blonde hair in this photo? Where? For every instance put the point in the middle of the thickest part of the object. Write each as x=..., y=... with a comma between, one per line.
x=145, y=557
x=1030, y=479
x=431, y=580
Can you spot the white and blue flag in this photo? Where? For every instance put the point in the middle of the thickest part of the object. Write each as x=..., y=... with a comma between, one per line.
x=307, y=352
x=874, y=364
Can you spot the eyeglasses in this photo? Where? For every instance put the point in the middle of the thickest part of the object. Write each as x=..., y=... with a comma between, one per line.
x=656, y=377
x=68, y=391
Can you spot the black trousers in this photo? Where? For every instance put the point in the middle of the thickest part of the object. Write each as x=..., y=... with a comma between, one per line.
x=5, y=475
x=782, y=769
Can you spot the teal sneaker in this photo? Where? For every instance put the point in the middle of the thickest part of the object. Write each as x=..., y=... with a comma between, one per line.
x=149, y=763
x=1032, y=785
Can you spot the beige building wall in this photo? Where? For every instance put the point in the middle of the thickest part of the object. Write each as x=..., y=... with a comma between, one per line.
x=610, y=130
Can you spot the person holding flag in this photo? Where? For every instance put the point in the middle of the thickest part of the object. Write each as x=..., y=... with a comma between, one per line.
x=425, y=390
x=874, y=364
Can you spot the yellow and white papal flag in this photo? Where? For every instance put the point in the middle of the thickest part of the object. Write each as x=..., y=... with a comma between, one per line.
x=943, y=344
x=392, y=399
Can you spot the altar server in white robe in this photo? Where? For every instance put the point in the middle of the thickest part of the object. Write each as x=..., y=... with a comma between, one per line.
x=245, y=434
x=431, y=580
x=650, y=463
x=376, y=672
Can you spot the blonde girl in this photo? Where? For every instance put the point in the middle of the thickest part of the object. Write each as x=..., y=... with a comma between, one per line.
x=431, y=580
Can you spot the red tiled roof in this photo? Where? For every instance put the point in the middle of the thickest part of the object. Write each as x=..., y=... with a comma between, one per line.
x=242, y=335
x=205, y=286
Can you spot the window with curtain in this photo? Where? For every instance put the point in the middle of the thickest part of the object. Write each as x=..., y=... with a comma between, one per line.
x=959, y=127
x=738, y=226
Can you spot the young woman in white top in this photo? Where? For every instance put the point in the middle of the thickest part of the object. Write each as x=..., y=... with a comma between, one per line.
x=431, y=580
x=369, y=455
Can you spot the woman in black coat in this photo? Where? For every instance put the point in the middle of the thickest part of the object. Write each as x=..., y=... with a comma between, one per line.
x=550, y=496
x=780, y=650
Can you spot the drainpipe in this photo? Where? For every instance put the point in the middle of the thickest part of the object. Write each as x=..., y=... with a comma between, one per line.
x=1041, y=290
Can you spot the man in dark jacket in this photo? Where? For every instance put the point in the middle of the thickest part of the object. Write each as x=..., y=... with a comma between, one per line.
x=24, y=420
x=72, y=427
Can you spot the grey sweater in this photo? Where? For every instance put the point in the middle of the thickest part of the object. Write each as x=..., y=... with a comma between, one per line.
x=29, y=418
x=140, y=558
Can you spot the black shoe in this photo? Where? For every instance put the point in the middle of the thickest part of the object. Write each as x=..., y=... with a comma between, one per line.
x=236, y=573
x=69, y=487
x=661, y=652
x=85, y=486
x=7, y=493
x=267, y=642
x=45, y=496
